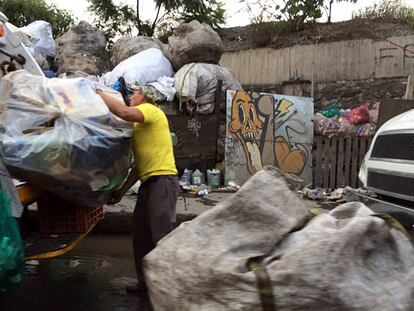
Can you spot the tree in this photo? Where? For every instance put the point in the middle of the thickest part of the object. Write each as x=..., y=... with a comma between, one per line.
x=113, y=19
x=23, y=12
x=122, y=19
x=295, y=12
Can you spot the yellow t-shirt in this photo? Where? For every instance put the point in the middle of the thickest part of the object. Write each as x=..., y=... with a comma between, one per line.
x=153, y=147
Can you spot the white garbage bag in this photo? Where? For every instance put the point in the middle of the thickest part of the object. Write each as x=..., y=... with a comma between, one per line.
x=144, y=67
x=41, y=31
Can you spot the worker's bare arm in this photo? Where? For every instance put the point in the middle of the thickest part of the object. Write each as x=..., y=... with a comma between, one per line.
x=117, y=107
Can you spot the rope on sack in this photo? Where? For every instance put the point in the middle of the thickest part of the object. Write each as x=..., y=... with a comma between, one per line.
x=264, y=283
x=392, y=222
x=182, y=85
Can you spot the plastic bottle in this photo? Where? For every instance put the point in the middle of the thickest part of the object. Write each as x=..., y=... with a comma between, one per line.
x=213, y=178
x=197, y=178
x=185, y=179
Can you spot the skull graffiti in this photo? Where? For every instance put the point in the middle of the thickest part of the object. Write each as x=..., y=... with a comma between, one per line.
x=244, y=119
x=245, y=126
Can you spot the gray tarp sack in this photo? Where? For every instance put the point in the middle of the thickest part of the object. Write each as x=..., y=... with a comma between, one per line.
x=347, y=259
x=196, y=84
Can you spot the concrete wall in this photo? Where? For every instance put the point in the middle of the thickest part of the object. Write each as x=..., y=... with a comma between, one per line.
x=342, y=60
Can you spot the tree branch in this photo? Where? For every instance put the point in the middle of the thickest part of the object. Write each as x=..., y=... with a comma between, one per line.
x=156, y=19
x=138, y=19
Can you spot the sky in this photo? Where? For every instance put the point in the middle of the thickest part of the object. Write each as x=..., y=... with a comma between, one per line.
x=235, y=16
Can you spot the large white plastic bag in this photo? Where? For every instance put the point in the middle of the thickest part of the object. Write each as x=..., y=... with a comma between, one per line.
x=42, y=32
x=146, y=66
x=82, y=156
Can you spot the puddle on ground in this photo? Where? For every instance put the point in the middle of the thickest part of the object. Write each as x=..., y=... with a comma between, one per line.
x=93, y=277
x=207, y=201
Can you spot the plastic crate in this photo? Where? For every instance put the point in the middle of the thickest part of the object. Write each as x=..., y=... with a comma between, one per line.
x=60, y=216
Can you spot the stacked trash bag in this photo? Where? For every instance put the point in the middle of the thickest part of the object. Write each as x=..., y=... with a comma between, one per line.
x=334, y=121
x=58, y=134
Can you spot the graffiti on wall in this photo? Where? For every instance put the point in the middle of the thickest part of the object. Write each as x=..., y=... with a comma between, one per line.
x=406, y=53
x=267, y=129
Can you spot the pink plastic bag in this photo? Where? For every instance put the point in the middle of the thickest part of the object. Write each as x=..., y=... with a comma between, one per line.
x=359, y=115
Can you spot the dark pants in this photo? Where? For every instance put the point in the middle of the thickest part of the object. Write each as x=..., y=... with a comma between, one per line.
x=154, y=216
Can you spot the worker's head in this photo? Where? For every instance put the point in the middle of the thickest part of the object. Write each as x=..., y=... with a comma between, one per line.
x=137, y=98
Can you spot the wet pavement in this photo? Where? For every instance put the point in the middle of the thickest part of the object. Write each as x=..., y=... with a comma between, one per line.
x=92, y=277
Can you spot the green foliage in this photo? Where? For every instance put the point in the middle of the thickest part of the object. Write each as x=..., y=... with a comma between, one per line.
x=389, y=10
x=123, y=20
x=23, y=12
x=113, y=19
x=299, y=12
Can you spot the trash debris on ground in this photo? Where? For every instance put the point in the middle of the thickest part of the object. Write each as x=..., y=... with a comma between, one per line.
x=59, y=135
x=312, y=261
x=126, y=47
x=336, y=195
x=196, y=85
x=194, y=42
x=360, y=121
x=144, y=67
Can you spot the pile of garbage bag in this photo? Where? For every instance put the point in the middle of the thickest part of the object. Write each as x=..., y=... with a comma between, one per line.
x=12, y=262
x=58, y=134
x=263, y=249
x=360, y=121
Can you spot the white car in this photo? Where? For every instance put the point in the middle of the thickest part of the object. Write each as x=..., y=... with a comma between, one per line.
x=388, y=167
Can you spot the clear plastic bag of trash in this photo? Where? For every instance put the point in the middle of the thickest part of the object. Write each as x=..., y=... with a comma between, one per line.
x=58, y=134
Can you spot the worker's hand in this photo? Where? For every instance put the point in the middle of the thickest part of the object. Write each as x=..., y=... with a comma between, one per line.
x=116, y=196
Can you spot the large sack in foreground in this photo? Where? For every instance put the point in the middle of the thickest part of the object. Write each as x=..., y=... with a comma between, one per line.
x=347, y=259
x=196, y=86
x=144, y=67
x=81, y=48
x=58, y=134
x=193, y=43
x=129, y=46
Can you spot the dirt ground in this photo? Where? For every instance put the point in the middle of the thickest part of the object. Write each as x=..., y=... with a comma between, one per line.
x=240, y=38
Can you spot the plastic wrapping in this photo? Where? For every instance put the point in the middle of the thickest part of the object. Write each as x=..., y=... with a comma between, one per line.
x=41, y=31
x=11, y=247
x=59, y=135
x=9, y=189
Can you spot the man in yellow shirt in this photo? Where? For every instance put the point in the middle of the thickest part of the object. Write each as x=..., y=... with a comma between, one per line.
x=154, y=214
